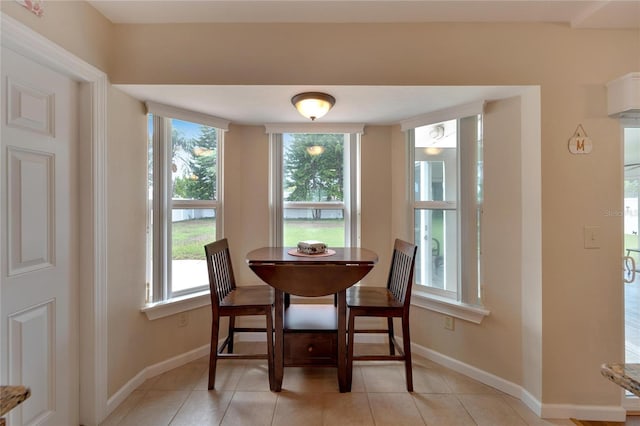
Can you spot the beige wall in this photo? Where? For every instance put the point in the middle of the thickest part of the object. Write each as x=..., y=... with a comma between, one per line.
x=378, y=54
x=495, y=345
x=74, y=25
x=575, y=320
x=501, y=242
x=246, y=195
x=570, y=66
x=134, y=342
x=126, y=226
x=376, y=189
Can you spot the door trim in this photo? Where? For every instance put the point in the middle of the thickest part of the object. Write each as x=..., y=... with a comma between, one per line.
x=93, y=353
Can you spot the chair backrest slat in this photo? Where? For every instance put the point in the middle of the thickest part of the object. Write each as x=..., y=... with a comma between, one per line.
x=221, y=279
x=401, y=272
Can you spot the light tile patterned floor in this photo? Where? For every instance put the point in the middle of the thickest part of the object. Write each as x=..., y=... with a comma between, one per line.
x=310, y=397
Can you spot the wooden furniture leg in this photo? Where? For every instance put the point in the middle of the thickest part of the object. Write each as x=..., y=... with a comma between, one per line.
x=344, y=383
x=279, y=343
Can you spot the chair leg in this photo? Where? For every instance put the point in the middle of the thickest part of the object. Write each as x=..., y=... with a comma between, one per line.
x=213, y=352
x=392, y=346
x=232, y=327
x=270, y=351
x=350, y=345
x=406, y=343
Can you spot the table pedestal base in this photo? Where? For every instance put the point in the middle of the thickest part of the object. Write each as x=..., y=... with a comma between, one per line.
x=310, y=336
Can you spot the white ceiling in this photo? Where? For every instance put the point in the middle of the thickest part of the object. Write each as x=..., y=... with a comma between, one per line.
x=576, y=13
x=354, y=104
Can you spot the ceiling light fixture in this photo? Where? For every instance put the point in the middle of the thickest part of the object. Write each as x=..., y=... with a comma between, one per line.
x=313, y=104
x=315, y=150
x=437, y=132
x=432, y=150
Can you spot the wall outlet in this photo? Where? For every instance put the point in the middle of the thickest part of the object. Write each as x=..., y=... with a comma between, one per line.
x=183, y=319
x=449, y=322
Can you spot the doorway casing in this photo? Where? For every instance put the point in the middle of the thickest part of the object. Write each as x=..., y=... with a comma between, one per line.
x=93, y=298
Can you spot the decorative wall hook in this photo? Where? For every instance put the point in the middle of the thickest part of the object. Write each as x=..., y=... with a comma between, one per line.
x=35, y=6
x=580, y=143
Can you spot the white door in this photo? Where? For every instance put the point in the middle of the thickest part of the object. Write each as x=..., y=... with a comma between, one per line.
x=39, y=241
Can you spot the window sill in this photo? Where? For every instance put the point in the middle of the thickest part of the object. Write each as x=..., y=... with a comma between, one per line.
x=443, y=305
x=176, y=305
x=423, y=300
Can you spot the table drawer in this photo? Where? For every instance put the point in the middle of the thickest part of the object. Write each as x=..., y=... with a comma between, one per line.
x=314, y=348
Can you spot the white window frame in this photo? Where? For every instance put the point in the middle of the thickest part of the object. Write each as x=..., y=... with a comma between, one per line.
x=465, y=302
x=163, y=204
x=351, y=203
x=629, y=401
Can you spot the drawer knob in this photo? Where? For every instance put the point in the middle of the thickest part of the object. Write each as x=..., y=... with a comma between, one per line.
x=310, y=348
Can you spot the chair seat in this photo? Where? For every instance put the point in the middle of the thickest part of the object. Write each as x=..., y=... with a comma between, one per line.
x=371, y=298
x=248, y=296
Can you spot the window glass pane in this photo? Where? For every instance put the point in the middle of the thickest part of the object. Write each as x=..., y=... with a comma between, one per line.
x=182, y=195
x=436, y=162
x=436, y=237
x=193, y=160
x=313, y=167
x=191, y=229
x=448, y=192
x=324, y=225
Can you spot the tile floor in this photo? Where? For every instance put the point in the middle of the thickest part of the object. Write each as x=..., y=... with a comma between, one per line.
x=310, y=397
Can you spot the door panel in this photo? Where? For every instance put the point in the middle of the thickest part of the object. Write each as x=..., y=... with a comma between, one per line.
x=31, y=195
x=39, y=279
x=32, y=359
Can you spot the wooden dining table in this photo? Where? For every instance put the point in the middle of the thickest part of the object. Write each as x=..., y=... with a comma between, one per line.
x=311, y=334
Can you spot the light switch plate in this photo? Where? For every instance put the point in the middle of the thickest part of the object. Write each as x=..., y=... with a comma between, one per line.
x=591, y=237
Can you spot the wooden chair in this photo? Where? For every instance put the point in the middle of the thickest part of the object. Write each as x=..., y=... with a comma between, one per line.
x=227, y=300
x=390, y=302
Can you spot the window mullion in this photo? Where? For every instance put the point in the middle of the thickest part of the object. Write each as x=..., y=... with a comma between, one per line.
x=219, y=185
x=194, y=204
x=352, y=195
x=436, y=205
x=161, y=206
x=468, y=157
x=329, y=205
x=167, y=196
x=276, y=201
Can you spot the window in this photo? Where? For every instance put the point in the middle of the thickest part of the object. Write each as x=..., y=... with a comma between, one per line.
x=314, y=188
x=184, y=200
x=446, y=187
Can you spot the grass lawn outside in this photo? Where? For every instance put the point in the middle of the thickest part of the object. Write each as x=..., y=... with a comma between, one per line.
x=329, y=231
x=190, y=236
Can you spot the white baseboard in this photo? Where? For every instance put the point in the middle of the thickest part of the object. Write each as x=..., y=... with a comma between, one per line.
x=609, y=413
x=177, y=361
x=546, y=411
x=152, y=371
x=531, y=401
x=469, y=371
x=549, y=411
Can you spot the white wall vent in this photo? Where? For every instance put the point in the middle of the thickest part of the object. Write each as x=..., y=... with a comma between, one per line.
x=623, y=96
